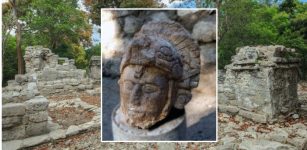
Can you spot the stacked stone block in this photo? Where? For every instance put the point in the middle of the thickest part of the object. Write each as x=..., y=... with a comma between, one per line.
x=95, y=68
x=261, y=83
x=24, y=111
x=55, y=74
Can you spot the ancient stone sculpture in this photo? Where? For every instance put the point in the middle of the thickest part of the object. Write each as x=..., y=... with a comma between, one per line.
x=158, y=70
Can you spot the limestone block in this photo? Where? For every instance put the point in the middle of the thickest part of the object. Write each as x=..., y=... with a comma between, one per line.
x=13, y=109
x=57, y=134
x=36, y=128
x=32, y=86
x=13, y=133
x=6, y=98
x=19, y=78
x=188, y=18
x=29, y=94
x=49, y=74
x=72, y=130
x=32, y=77
x=204, y=31
x=38, y=103
x=36, y=140
x=12, y=145
x=262, y=118
x=58, y=86
x=89, y=86
x=79, y=74
x=182, y=13
x=300, y=143
x=38, y=116
x=159, y=16
x=12, y=83
x=74, y=82
x=11, y=121
x=279, y=135
x=132, y=24
x=81, y=87
x=208, y=54
x=263, y=145
x=67, y=87
x=228, y=109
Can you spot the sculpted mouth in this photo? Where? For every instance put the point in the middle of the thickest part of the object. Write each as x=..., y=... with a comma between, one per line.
x=139, y=111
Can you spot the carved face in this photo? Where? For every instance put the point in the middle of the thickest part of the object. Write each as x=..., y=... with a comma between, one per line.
x=144, y=95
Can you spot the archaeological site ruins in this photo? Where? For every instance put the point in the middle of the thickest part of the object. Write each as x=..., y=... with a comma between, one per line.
x=261, y=101
x=261, y=83
x=26, y=105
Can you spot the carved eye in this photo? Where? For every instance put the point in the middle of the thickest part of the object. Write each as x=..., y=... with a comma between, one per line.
x=166, y=51
x=128, y=85
x=149, y=88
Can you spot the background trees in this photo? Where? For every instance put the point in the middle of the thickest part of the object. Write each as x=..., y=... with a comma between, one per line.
x=262, y=22
x=60, y=25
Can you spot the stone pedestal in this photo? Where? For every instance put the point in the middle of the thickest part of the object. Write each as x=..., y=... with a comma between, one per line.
x=261, y=83
x=170, y=129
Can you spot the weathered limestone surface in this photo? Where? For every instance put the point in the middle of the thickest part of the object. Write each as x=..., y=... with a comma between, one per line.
x=24, y=110
x=95, y=68
x=261, y=83
x=54, y=74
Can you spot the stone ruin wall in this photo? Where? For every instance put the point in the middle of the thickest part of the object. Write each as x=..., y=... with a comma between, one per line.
x=260, y=83
x=24, y=110
x=55, y=74
x=119, y=27
x=95, y=68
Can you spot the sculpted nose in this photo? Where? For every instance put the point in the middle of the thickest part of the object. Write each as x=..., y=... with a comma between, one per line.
x=135, y=96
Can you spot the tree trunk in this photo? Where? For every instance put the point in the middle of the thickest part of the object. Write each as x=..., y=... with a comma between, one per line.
x=20, y=63
x=19, y=51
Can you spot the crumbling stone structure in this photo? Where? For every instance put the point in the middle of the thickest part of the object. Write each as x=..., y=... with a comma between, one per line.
x=261, y=83
x=54, y=74
x=24, y=111
x=95, y=68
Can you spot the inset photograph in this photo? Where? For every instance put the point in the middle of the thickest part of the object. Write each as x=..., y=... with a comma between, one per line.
x=159, y=75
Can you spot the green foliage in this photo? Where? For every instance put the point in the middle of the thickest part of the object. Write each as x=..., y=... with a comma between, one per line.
x=93, y=51
x=138, y=4
x=55, y=24
x=9, y=60
x=248, y=22
x=79, y=56
x=289, y=6
x=60, y=26
x=52, y=22
x=94, y=6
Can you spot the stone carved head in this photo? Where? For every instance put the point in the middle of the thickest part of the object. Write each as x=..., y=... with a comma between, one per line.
x=158, y=71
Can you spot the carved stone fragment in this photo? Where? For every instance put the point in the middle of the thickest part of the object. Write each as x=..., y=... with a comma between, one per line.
x=158, y=70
